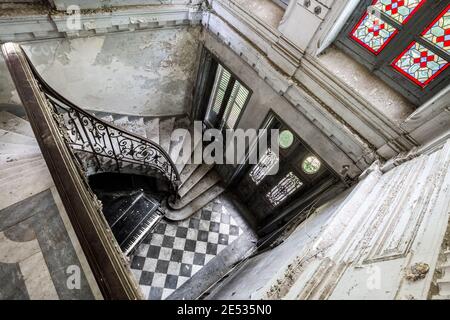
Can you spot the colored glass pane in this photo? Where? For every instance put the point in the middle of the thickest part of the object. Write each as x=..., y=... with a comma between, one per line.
x=419, y=64
x=287, y=186
x=264, y=167
x=399, y=10
x=286, y=139
x=373, y=33
x=311, y=165
x=439, y=31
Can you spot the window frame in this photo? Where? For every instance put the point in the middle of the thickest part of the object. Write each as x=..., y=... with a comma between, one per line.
x=411, y=31
x=222, y=116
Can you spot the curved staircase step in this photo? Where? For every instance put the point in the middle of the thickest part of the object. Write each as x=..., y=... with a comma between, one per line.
x=197, y=175
x=11, y=159
x=447, y=255
x=178, y=141
x=11, y=148
x=211, y=179
x=13, y=170
x=152, y=130
x=18, y=174
x=194, y=206
x=187, y=171
x=108, y=118
x=186, y=161
x=13, y=162
x=16, y=138
x=439, y=297
x=137, y=126
x=444, y=285
x=13, y=123
x=445, y=268
x=24, y=187
x=165, y=133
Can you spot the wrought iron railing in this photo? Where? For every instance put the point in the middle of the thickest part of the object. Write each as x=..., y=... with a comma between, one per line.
x=101, y=146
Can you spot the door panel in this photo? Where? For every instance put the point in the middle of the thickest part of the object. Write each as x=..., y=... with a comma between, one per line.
x=300, y=172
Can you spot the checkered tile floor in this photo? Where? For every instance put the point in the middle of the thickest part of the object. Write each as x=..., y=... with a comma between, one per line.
x=176, y=251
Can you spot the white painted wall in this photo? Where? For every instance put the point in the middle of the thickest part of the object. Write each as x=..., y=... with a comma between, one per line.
x=363, y=248
x=149, y=73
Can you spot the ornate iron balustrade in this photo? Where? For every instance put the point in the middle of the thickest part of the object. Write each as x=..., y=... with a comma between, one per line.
x=109, y=147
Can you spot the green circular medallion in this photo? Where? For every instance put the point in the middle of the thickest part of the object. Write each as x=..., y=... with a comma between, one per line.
x=286, y=139
x=311, y=165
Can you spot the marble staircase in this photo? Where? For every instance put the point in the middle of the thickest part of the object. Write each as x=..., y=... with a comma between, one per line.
x=199, y=183
x=21, y=158
x=23, y=171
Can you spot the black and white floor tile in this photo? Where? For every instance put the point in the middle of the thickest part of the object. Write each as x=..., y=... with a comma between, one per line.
x=175, y=252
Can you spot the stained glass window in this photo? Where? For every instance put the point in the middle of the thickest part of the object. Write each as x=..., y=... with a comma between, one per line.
x=286, y=139
x=311, y=165
x=287, y=186
x=373, y=33
x=420, y=64
x=264, y=166
x=439, y=31
x=399, y=10
x=404, y=42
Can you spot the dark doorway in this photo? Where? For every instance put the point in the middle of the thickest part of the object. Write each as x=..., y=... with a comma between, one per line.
x=268, y=192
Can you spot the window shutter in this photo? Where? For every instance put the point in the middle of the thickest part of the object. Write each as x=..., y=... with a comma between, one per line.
x=225, y=78
x=236, y=104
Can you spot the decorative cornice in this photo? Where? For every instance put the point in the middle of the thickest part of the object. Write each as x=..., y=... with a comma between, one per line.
x=57, y=25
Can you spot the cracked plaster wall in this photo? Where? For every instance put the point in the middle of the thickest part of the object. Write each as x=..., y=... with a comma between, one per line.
x=363, y=245
x=147, y=73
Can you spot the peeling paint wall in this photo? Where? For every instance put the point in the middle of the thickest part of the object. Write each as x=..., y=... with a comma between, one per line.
x=367, y=244
x=147, y=73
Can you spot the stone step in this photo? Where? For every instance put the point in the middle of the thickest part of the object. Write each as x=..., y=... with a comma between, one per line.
x=18, y=174
x=13, y=123
x=187, y=160
x=12, y=171
x=11, y=148
x=178, y=139
x=16, y=138
x=108, y=118
x=198, y=174
x=447, y=254
x=194, y=206
x=445, y=268
x=8, y=160
x=187, y=171
x=439, y=297
x=19, y=189
x=444, y=286
x=152, y=130
x=136, y=126
x=211, y=179
x=165, y=132
x=121, y=122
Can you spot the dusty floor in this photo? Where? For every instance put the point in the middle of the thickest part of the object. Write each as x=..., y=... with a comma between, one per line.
x=181, y=260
